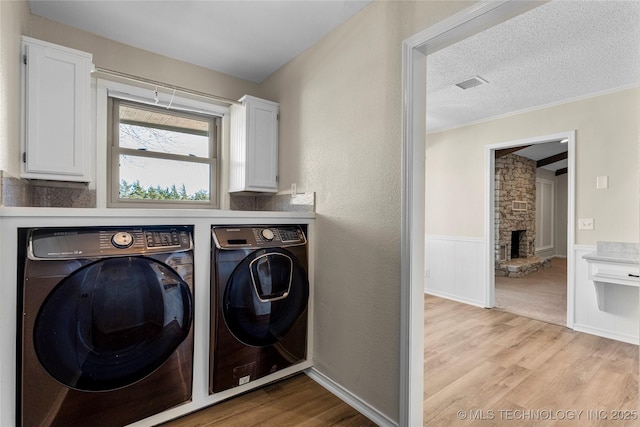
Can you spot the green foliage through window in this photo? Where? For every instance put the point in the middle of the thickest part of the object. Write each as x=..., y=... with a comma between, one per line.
x=136, y=191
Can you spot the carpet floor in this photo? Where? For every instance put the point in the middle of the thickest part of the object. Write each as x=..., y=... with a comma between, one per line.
x=541, y=295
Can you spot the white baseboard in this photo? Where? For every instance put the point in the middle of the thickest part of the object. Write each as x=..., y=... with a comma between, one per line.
x=630, y=339
x=349, y=398
x=454, y=238
x=445, y=295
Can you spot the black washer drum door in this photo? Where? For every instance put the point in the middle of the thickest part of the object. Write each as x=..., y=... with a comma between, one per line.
x=265, y=295
x=112, y=323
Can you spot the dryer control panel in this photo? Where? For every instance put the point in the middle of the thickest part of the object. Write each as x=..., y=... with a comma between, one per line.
x=266, y=236
x=89, y=242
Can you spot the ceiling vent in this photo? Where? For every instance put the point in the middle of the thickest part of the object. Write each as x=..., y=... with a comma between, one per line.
x=472, y=82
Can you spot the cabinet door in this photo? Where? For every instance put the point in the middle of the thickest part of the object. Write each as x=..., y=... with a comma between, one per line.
x=254, y=146
x=262, y=145
x=57, y=104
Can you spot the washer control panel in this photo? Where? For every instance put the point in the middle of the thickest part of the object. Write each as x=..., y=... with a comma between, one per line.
x=122, y=240
x=87, y=242
x=267, y=236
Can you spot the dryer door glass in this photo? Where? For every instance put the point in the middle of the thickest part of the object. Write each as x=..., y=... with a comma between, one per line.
x=265, y=295
x=112, y=323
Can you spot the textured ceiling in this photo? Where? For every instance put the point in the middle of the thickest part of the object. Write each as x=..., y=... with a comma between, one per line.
x=559, y=51
x=246, y=39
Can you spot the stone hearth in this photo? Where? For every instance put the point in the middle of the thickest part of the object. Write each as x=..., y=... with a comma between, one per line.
x=520, y=267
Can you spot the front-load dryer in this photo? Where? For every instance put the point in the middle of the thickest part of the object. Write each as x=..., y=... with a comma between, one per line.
x=106, y=324
x=259, y=298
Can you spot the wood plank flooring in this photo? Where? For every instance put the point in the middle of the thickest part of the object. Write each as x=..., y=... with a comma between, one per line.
x=502, y=369
x=498, y=368
x=296, y=401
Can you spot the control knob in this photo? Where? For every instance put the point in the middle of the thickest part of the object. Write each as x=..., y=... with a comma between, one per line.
x=267, y=234
x=122, y=240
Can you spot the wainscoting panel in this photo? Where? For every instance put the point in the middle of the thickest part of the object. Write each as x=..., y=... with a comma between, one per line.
x=455, y=268
x=619, y=319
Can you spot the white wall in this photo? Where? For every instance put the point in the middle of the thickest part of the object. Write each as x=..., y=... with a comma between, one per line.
x=560, y=213
x=606, y=144
x=456, y=269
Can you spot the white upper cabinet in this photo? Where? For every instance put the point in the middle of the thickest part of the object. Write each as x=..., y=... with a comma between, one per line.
x=57, y=127
x=254, y=146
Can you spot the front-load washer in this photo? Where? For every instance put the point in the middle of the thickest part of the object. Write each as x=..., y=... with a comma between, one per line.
x=259, y=298
x=106, y=324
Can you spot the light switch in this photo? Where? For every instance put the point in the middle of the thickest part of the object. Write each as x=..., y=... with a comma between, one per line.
x=602, y=182
x=585, y=224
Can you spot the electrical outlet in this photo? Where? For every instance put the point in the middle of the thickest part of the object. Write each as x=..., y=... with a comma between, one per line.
x=602, y=182
x=427, y=273
x=585, y=224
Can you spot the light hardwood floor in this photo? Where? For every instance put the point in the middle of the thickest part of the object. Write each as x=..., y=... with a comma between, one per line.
x=296, y=401
x=497, y=368
x=510, y=370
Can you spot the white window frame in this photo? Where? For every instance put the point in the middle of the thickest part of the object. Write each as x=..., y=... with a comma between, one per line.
x=147, y=94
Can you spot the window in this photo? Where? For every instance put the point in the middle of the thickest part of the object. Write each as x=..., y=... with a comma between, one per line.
x=161, y=156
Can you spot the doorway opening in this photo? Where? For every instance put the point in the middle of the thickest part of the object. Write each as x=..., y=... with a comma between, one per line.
x=530, y=190
x=415, y=51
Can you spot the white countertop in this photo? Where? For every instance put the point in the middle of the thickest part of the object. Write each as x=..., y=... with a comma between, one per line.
x=617, y=252
x=15, y=212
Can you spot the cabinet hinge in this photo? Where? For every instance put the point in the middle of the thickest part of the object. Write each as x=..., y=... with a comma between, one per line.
x=277, y=178
x=24, y=59
x=24, y=157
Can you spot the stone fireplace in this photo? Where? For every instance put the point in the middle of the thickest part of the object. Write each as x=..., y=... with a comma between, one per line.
x=516, y=237
x=515, y=215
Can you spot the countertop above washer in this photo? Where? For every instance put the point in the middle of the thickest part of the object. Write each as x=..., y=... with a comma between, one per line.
x=147, y=213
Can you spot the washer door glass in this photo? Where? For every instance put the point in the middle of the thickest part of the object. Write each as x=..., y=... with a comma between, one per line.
x=265, y=295
x=112, y=323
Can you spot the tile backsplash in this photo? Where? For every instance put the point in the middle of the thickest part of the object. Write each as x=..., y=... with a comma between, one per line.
x=35, y=193
x=303, y=202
